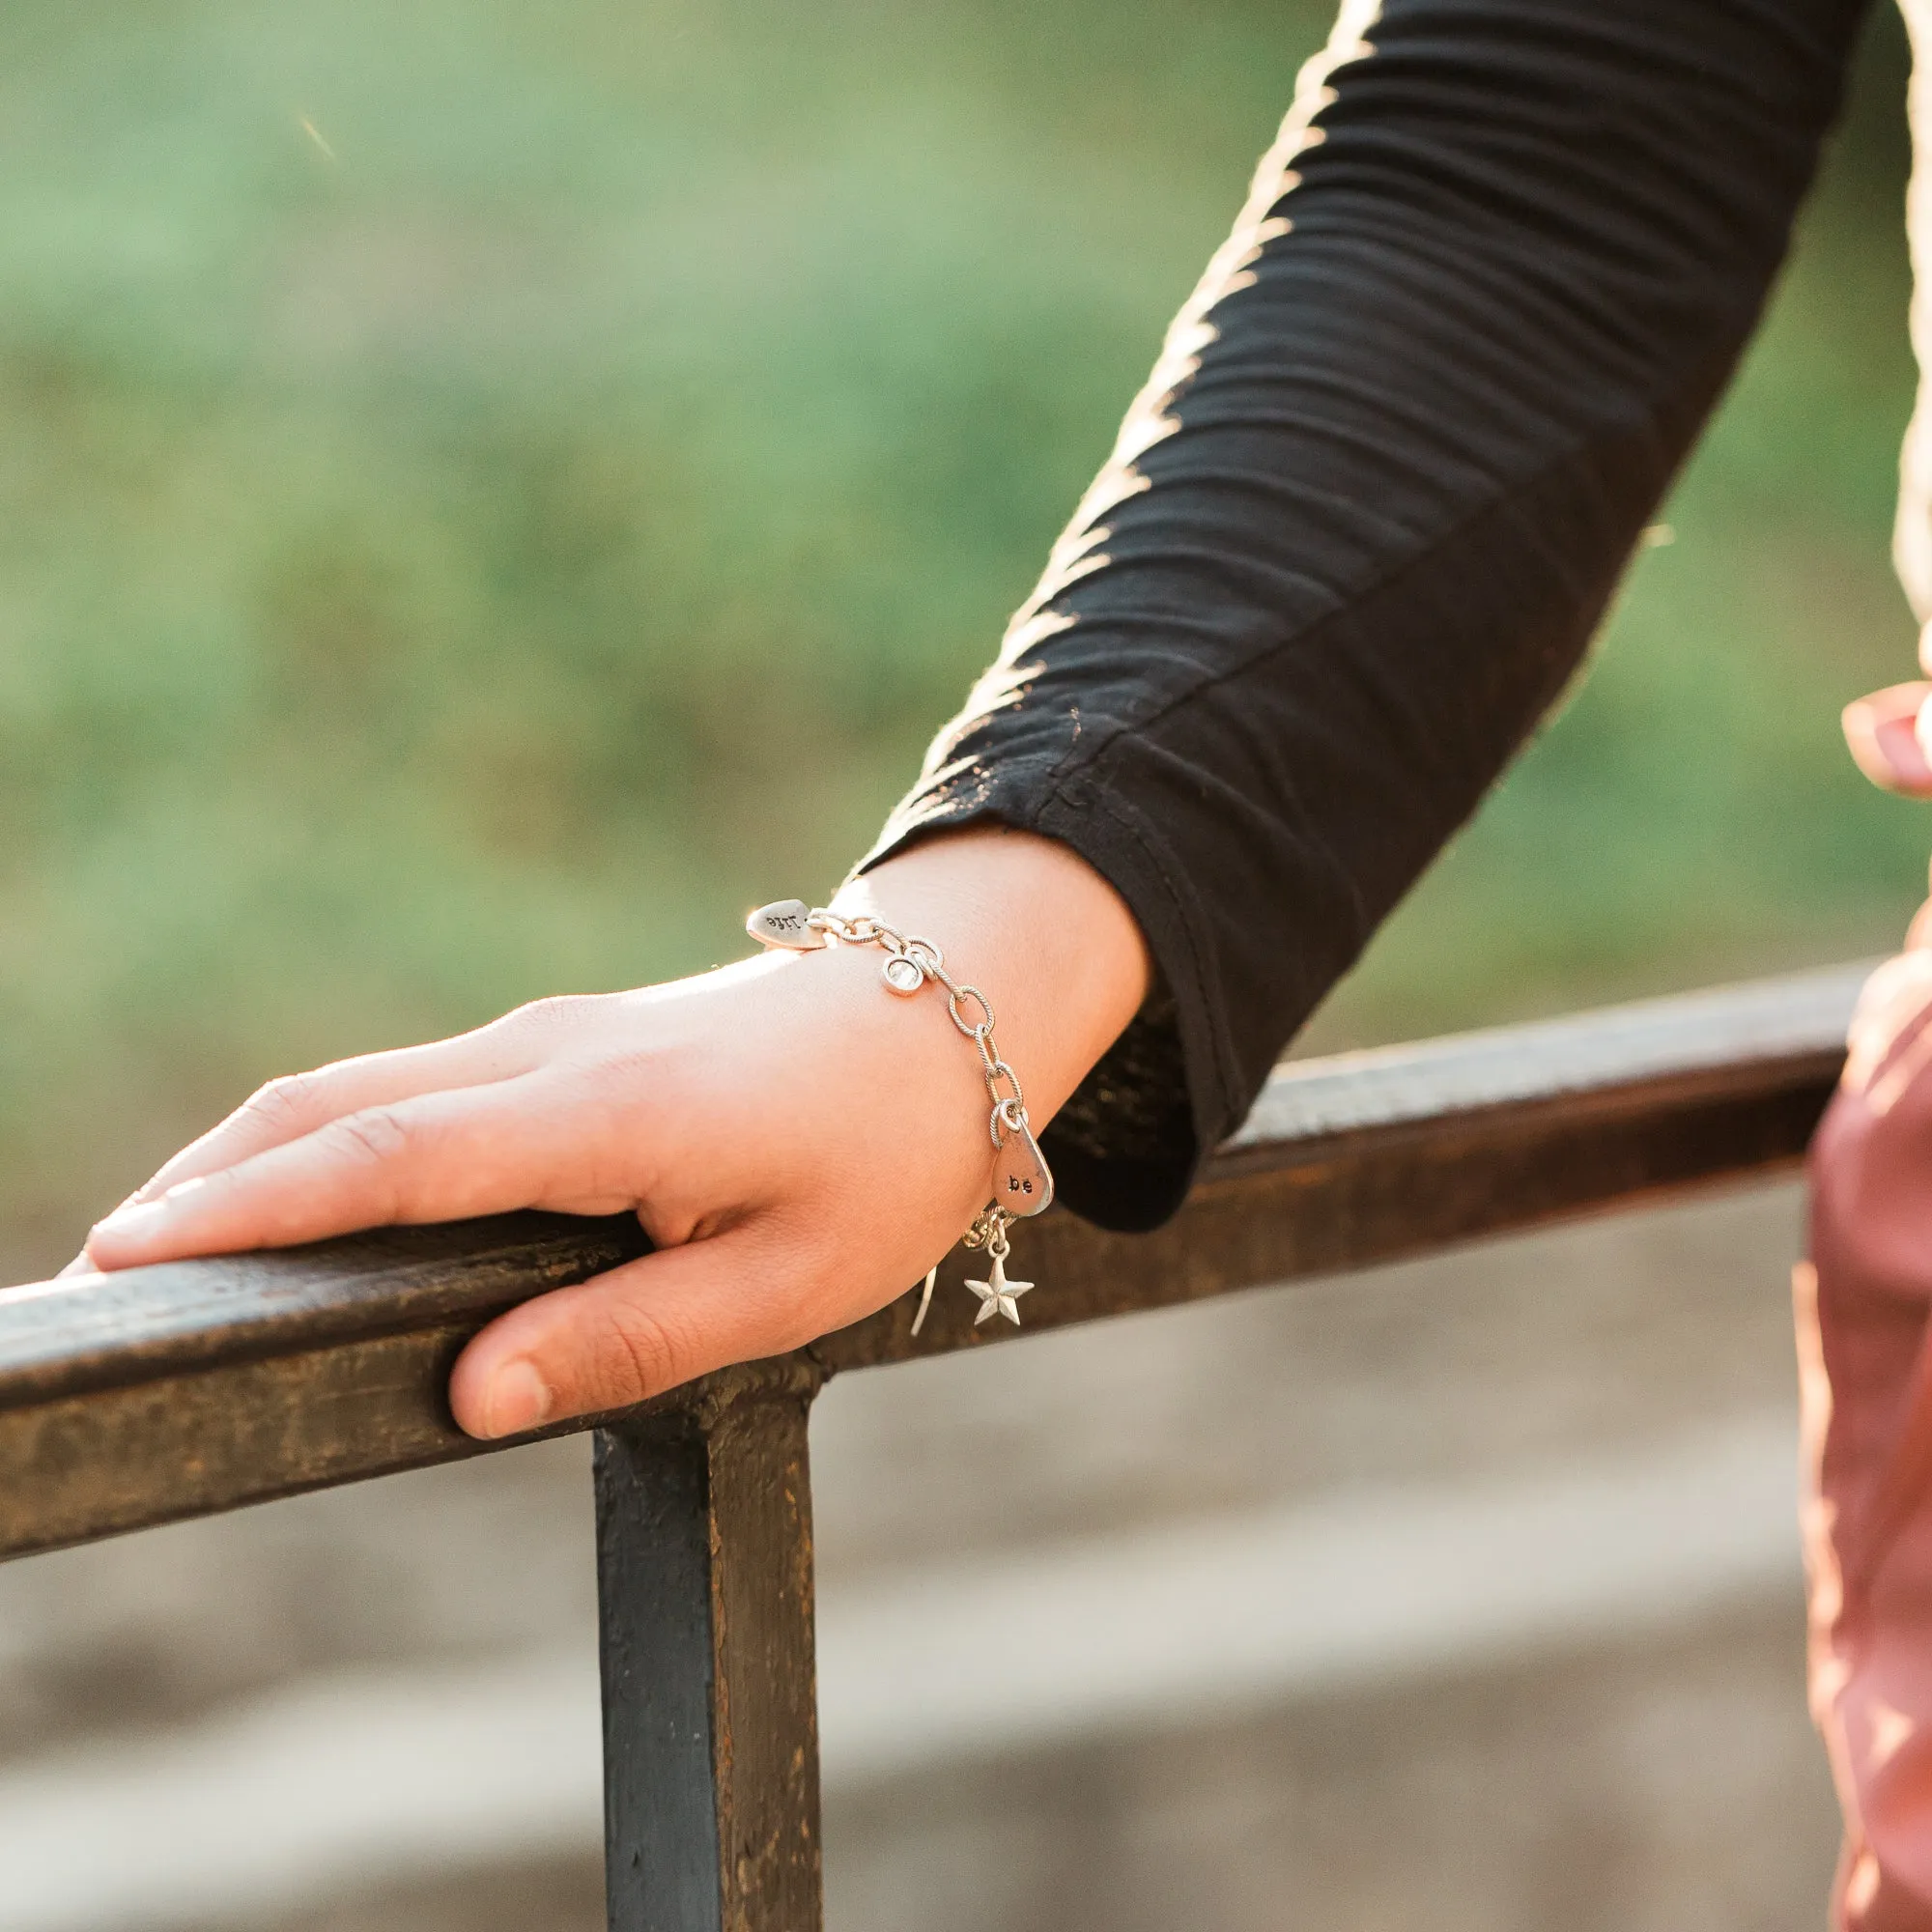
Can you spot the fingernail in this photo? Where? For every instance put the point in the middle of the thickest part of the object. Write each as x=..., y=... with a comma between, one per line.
x=135, y=1219
x=518, y=1399
x=140, y=1221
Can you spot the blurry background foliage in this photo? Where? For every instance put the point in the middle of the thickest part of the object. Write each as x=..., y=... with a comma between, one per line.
x=489, y=489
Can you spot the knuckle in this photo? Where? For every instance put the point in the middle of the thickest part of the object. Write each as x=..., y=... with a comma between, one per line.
x=377, y=1136
x=286, y=1102
x=558, y=1012
x=641, y=1354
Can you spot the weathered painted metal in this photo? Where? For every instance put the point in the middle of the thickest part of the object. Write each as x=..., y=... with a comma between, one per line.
x=165, y=1392
x=705, y=1622
x=160, y=1393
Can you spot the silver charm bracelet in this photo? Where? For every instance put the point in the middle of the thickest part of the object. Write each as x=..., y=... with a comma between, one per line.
x=1022, y=1184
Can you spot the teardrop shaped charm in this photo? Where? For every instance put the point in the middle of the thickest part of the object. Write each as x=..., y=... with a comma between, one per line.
x=1022, y=1182
x=786, y=924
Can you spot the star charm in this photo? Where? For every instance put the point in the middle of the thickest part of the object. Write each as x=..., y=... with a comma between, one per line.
x=998, y=1295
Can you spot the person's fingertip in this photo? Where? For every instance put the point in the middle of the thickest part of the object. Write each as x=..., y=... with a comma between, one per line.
x=129, y=1228
x=137, y=1227
x=515, y=1399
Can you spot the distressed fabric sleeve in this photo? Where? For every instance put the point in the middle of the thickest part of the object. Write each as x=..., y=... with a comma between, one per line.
x=1361, y=522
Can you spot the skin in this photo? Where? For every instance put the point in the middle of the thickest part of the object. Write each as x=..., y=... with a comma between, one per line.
x=1889, y=732
x=800, y=1144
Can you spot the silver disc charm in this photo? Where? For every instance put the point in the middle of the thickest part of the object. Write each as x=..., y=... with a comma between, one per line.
x=786, y=924
x=1022, y=1184
x=903, y=974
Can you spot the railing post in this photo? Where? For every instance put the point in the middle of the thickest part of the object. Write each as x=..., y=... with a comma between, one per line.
x=710, y=1712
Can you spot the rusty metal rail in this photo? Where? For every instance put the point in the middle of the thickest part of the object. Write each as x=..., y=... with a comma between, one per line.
x=167, y=1392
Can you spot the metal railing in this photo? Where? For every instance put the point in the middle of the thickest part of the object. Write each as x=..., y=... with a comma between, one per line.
x=141, y=1398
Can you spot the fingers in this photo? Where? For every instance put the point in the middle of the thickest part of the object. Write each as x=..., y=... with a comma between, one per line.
x=437, y=1157
x=636, y=1332
x=299, y=1103
x=1882, y=732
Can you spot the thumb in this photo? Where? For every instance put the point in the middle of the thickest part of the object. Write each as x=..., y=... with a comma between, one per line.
x=639, y=1330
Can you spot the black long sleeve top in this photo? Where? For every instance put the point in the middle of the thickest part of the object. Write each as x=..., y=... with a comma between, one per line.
x=1362, y=521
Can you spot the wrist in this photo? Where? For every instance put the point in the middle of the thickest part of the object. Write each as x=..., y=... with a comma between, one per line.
x=1051, y=944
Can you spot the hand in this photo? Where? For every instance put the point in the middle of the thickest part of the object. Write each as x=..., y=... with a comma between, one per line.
x=799, y=1143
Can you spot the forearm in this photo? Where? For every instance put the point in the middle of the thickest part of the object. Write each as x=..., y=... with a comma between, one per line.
x=1360, y=526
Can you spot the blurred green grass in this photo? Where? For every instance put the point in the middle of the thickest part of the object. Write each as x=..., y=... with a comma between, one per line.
x=488, y=491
